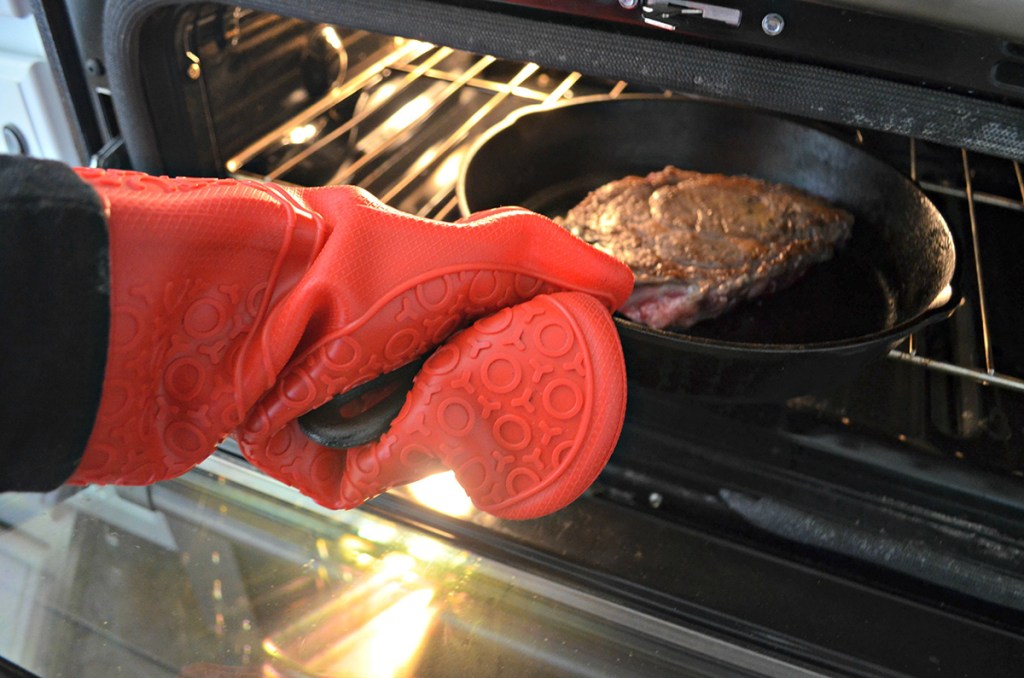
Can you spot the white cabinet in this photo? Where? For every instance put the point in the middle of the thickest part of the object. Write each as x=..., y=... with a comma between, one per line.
x=15, y=8
x=32, y=119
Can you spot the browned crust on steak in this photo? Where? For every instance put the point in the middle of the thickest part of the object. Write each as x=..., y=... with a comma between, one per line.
x=700, y=243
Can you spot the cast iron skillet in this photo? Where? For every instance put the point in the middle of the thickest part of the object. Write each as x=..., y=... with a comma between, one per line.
x=898, y=273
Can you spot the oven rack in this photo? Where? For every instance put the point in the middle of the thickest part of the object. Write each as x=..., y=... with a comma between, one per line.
x=418, y=61
x=987, y=374
x=530, y=85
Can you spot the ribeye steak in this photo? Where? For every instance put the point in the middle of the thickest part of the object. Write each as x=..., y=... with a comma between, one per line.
x=701, y=243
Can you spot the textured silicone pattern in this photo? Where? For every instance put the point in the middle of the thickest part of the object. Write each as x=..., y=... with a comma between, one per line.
x=184, y=301
x=242, y=305
x=526, y=406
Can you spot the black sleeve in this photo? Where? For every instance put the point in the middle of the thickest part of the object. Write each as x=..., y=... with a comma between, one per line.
x=54, y=320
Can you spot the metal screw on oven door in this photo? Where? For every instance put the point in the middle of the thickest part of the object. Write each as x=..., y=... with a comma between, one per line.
x=655, y=499
x=95, y=67
x=628, y=4
x=772, y=24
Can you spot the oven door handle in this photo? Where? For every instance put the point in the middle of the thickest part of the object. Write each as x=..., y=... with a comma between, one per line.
x=327, y=425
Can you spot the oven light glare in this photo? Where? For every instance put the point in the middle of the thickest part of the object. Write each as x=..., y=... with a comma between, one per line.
x=398, y=565
x=331, y=36
x=448, y=173
x=442, y=493
x=376, y=626
x=351, y=545
x=301, y=134
x=415, y=45
x=389, y=644
x=271, y=648
x=377, y=532
x=428, y=550
x=399, y=121
x=408, y=114
x=381, y=93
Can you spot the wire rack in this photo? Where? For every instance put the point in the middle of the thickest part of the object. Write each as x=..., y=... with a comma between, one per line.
x=385, y=114
x=396, y=93
x=964, y=191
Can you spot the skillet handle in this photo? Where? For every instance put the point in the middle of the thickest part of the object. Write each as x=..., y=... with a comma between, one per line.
x=326, y=426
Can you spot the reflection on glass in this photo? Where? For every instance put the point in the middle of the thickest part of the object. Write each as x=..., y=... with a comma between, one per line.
x=377, y=624
x=210, y=578
x=377, y=628
x=377, y=531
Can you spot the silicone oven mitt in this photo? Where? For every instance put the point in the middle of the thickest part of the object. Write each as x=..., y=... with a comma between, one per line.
x=239, y=306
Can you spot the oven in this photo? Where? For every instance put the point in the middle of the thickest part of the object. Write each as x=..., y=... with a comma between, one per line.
x=873, y=526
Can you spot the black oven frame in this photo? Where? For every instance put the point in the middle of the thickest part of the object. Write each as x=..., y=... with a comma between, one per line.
x=106, y=45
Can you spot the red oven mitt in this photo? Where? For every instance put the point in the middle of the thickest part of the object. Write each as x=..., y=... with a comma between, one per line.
x=239, y=306
x=525, y=406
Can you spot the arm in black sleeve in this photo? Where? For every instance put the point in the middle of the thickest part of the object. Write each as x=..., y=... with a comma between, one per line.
x=54, y=320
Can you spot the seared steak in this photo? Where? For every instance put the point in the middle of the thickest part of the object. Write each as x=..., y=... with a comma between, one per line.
x=700, y=243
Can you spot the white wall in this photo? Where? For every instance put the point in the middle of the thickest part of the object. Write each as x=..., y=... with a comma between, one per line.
x=30, y=109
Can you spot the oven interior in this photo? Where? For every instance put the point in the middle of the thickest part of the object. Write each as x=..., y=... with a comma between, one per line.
x=338, y=106
x=897, y=496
